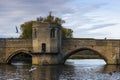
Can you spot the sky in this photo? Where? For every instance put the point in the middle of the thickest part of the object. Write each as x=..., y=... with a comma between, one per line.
x=87, y=18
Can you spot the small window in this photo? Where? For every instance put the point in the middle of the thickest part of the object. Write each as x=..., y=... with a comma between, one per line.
x=52, y=33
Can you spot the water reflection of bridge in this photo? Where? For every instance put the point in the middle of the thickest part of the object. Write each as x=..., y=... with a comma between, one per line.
x=58, y=72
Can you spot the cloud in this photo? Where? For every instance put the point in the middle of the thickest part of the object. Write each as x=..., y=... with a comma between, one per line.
x=94, y=27
x=80, y=15
x=97, y=21
x=16, y=12
x=85, y=17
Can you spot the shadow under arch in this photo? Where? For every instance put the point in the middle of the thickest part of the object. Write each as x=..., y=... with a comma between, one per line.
x=82, y=49
x=8, y=60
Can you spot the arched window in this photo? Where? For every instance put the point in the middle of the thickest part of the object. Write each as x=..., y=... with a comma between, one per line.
x=52, y=33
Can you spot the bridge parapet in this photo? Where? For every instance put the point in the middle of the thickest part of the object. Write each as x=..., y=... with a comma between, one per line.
x=2, y=42
x=74, y=43
x=18, y=42
x=103, y=42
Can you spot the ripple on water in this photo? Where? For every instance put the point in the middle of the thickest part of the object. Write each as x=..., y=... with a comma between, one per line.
x=65, y=72
x=91, y=71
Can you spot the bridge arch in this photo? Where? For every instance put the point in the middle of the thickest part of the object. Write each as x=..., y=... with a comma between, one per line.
x=8, y=60
x=67, y=55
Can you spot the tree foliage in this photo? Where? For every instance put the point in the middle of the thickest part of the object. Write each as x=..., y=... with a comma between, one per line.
x=67, y=33
x=26, y=27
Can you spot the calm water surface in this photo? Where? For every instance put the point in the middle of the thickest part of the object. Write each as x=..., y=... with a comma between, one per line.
x=73, y=70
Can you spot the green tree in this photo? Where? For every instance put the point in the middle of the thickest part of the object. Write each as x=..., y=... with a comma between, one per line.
x=67, y=33
x=26, y=27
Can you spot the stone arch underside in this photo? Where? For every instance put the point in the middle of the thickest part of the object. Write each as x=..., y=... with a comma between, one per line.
x=16, y=53
x=67, y=55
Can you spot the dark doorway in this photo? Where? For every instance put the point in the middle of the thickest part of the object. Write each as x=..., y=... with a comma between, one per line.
x=43, y=47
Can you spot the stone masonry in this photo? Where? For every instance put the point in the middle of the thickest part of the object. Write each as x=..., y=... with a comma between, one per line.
x=46, y=46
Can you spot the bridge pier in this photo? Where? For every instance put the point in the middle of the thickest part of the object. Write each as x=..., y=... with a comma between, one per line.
x=47, y=59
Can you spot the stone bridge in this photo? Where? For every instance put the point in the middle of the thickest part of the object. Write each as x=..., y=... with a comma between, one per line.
x=108, y=49
x=46, y=46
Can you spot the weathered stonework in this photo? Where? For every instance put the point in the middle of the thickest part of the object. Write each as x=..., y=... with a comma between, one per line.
x=46, y=35
x=56, y=52
x=108, y=49
x=10, y=47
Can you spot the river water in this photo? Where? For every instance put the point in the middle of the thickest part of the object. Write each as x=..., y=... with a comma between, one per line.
x=73, y=70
